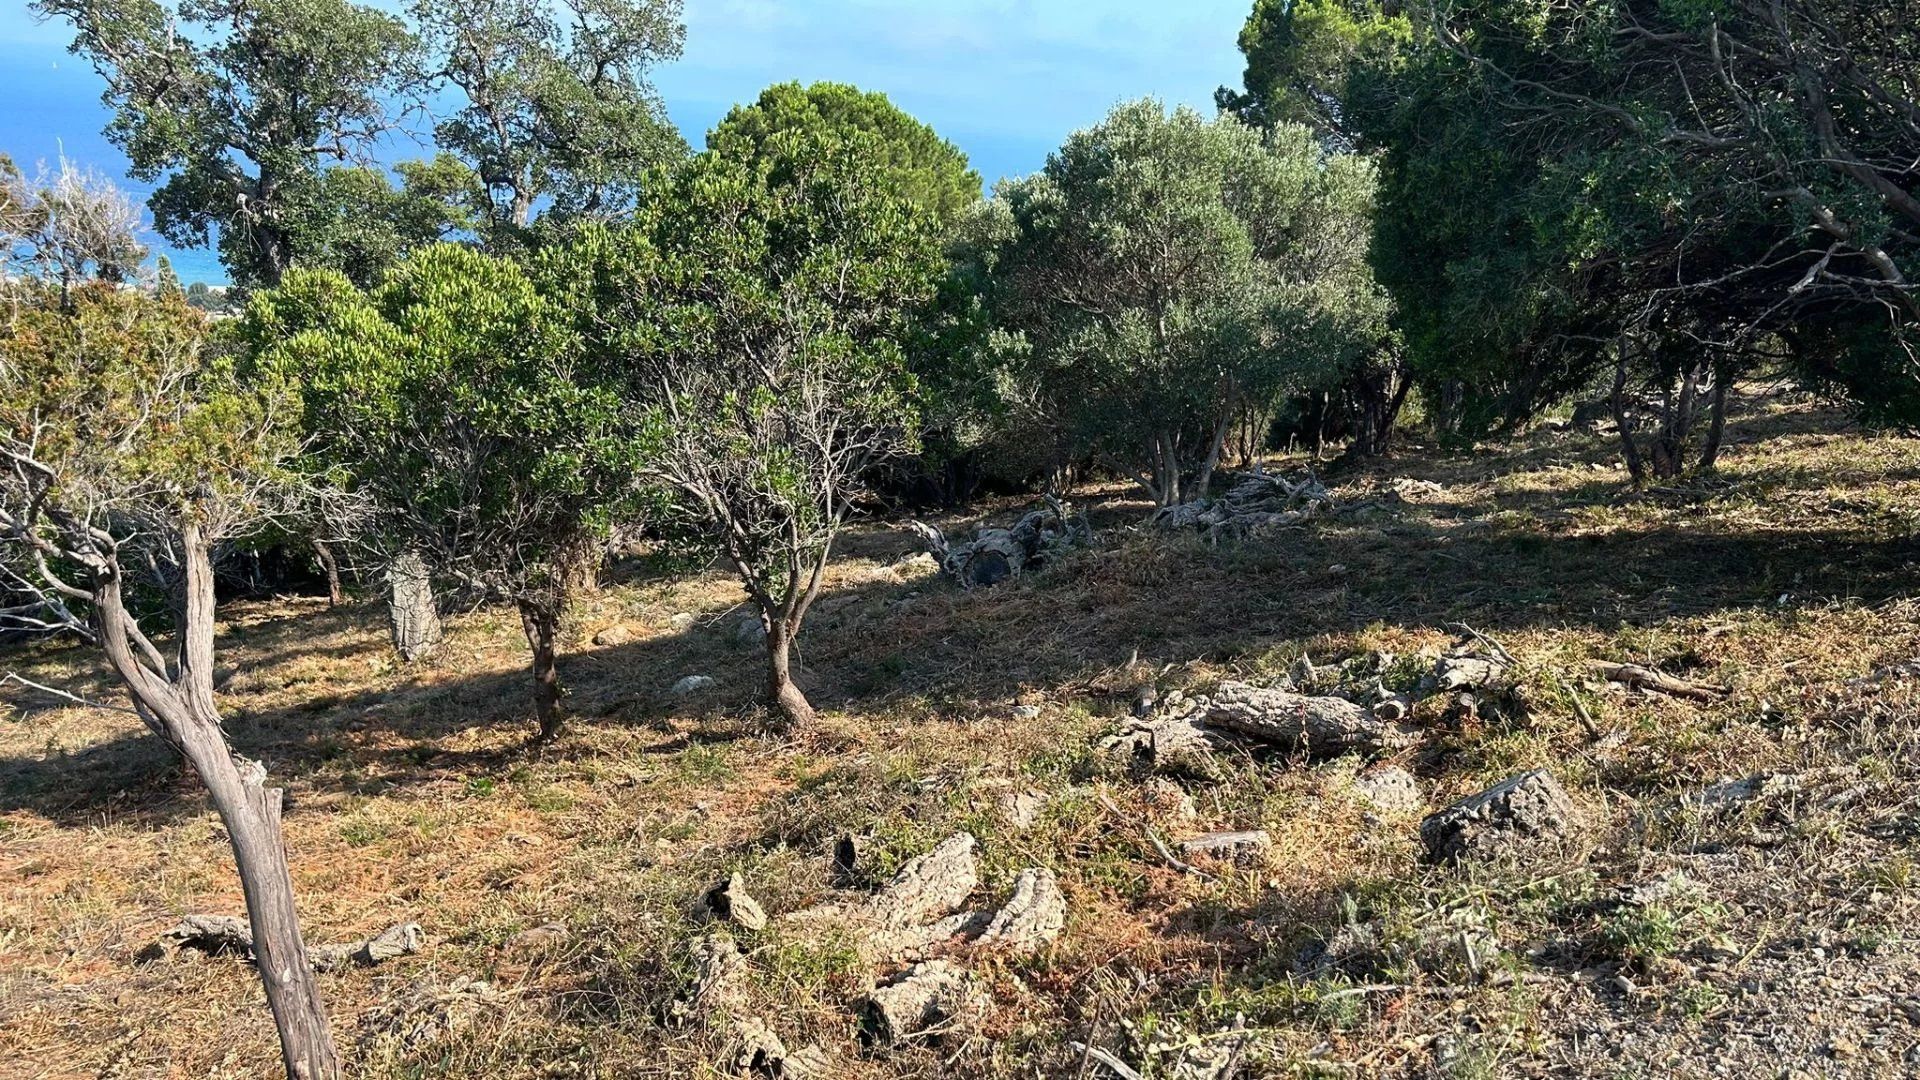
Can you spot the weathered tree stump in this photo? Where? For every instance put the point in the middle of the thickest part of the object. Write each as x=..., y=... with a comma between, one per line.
x=412, y=613
x=1514, y=815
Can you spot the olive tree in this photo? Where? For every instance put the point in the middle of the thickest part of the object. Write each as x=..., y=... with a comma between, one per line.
x=554, y=101
x=238, y=107
x=128, y=455
x=452, y=398
x=1166, y=272
x=757, y=311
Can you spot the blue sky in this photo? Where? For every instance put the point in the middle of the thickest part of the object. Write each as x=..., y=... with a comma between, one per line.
x=1006, y=80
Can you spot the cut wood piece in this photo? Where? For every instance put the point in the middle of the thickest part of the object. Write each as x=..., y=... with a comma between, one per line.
x=912, y=944
x=1321, y=726
x=755, y=1049
x=1464, y=672
x=1174, y=746
x=930, y=886
x=717, y=964
x=929, y=1000
x=1032, y=917
x=215, y=935
x=1658, y=681
x=1243, y=848
x=729, y=901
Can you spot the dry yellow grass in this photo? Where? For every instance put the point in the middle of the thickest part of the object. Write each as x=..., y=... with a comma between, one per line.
x=412, y=796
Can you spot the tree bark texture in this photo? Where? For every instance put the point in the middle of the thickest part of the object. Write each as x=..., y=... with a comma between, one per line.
x=179, y=706
x=411, y=609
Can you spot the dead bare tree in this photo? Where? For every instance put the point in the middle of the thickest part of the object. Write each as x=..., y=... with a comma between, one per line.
x=126, y=458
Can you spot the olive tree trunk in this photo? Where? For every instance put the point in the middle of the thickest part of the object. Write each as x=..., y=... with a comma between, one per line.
x=176, y=701
x=795, y=710
x=330, y=566
x=541, y=623
x=411, y=609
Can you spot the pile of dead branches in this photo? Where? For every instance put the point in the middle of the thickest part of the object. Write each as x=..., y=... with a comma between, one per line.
x=1259, y=503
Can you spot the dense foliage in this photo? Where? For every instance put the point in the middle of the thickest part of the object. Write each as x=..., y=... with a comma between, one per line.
x=758, y=310
x=453, y=397
x=1680, y=191
x=1168, y=275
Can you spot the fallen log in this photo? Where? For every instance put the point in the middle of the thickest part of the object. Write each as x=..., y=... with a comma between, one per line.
x=218, y=935
x=1646, y=678
x=1321, y=726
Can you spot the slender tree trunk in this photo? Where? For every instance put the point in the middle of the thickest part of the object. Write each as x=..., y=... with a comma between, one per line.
x=1717, y=430
x=331, y=567
x=794, y=708
x=180, y=708
x=541, y=624
x=411, y=611
x=1636, y=466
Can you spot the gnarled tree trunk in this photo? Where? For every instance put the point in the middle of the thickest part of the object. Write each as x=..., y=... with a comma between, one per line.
x=785, y=695
x=178, y=705
x=411, y=610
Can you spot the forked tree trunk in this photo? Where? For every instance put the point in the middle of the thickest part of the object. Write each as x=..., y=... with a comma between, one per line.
x=411, y=610
x=541, y=624
x=785, y=696
x=331, y=567
x=179, y=707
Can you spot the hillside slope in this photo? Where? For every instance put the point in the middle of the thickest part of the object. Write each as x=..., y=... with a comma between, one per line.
x=1685, y=926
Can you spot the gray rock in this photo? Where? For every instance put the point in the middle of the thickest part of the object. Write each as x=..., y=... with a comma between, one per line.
x=1521, y=812
x=693, y=684
x=1391, y=789
x=1022, y=808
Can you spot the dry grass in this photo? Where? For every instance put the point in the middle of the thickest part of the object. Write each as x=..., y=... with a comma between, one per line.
x=412, y=797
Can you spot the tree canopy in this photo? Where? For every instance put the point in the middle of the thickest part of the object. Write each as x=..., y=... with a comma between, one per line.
x=1165, y=271
x=238, y=106
x=758, y=310
x=555, y=103
x=454, y=397
x=928, y=170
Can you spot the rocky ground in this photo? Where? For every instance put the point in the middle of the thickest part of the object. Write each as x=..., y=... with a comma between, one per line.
x=1196, y=799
